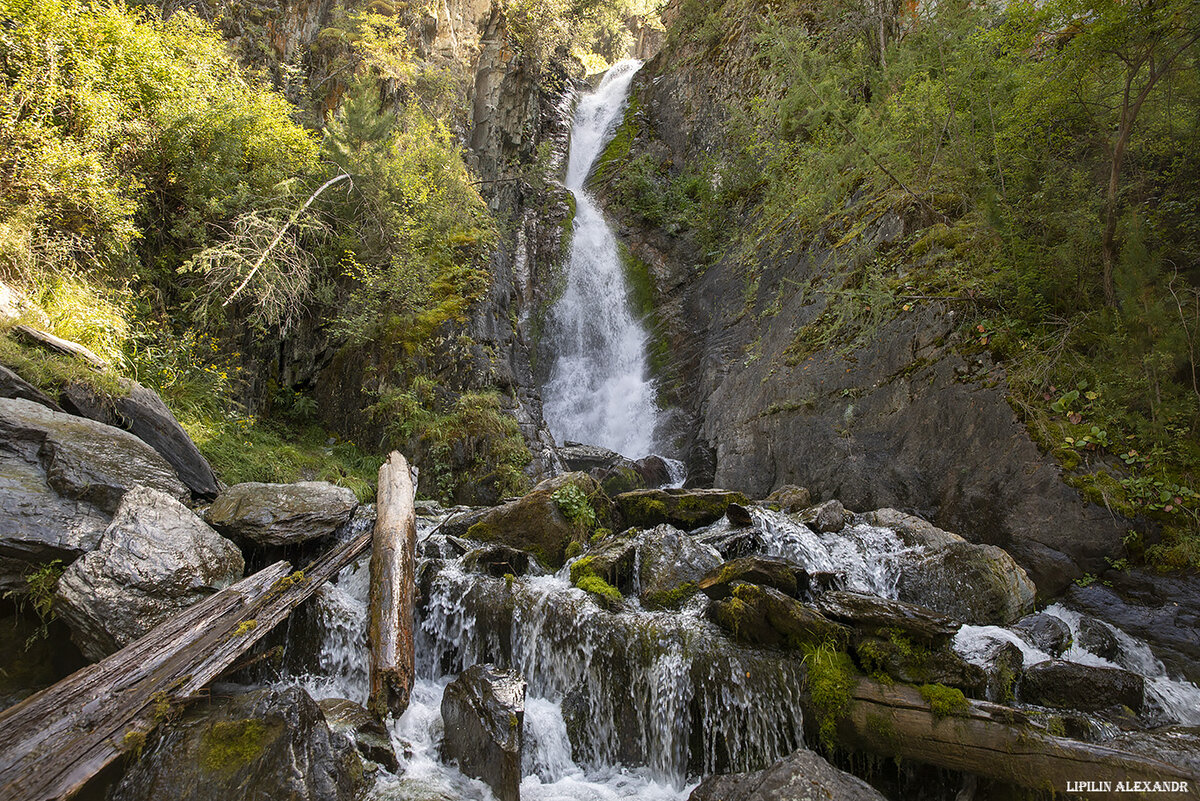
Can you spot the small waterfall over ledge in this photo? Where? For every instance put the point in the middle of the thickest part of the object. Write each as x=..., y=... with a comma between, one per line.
x=599, y=391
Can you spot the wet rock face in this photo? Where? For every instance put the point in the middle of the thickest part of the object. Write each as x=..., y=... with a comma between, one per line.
x=828, y=517
x=671, y=563
x=759, y=615
x=685, y=509
x=802, y=776
x=13, y=386
x=61, y=478
x=499, y=561
x=1044, y=632
x=484, y=714
x=360, y=726
x=765, y=571
x=979, y=584
x=878, y=616
x=261, y=746
x=536, y=522
x=1095, y=636
x=281, y=514
x=1070, y=685
x=154, y=560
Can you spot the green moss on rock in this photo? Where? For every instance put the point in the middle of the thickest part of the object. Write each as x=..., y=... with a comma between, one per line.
x=230, y=745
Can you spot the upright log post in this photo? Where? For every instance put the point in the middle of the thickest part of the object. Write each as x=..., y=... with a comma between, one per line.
x=393, y=576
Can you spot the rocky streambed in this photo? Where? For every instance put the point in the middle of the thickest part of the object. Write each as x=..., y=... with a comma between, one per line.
x=596, y=638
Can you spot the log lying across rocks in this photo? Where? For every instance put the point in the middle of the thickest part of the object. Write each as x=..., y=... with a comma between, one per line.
x=56, y=740
x=994, y=741
x=393, y=576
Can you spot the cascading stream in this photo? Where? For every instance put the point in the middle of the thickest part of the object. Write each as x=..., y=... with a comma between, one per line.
x=599, y=391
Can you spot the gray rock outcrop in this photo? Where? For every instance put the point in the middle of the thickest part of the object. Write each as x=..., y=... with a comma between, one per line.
x=670, y=564
x=484, y=713
x=61, y=478
x=802, y=776
x=154, y=560
x=1070, y=685
x=281, y=514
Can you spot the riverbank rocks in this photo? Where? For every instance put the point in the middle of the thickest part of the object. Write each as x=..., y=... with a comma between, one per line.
x=1095, y=636
x=538, y=522
x=1044, y=632
x=281, y=514
x=829, y=517
x=979, y=584
x=61, y=478
x=765, y=571
x=802, y=776
x=765, y=616
x=141, y=412
x=484, y=714
x=260, y=746
x=876, y=616
x=499, y=561
x=789, y=498
x=685, y=509
x=1070, y=685
x=670, y=565
x=913, y=531
x=362, y=728
x=154, y=560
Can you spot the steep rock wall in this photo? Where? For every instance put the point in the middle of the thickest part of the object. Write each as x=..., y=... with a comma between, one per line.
x=910, y=417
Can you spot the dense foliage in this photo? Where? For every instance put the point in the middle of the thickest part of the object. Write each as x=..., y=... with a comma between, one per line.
x=1048, y=155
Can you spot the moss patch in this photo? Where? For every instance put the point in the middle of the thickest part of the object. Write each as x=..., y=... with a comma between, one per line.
x=944, y=701
x=671, y=599
x=230, y=745
x=831, y=679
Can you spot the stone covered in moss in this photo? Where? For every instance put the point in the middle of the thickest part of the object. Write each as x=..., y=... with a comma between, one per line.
x=686, y=509
x=897, y=657
x=978, y=584
x=765, y=616
x=765, y=571
x=537, y=522
x=874, y=616
x=263, y=745
x=670, y=564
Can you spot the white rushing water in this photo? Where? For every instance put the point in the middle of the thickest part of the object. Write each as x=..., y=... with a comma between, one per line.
x=599, y=391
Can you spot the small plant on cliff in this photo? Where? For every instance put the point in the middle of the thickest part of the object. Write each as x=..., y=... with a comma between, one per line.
x=573, y=502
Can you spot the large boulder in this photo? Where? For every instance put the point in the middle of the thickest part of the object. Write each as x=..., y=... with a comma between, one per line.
x=874, y=616
x=915, y=532
x=802, y=776
x=1070, y=685
x=13, y=386
x=685, y=509
x=829, y=517
x=1097, y=637
x=282, y=514
x=156, y=559
x=484, y=714
x=1045, y=632
x=765, y=571
x=789, y=498
x=141, y=412
x=61, y=478
x=670, y=565
x=760, y=615
x=979, y=584
x=261, y=746
x=538, y=522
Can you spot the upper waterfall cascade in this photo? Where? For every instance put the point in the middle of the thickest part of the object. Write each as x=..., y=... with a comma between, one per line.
x=599, y=390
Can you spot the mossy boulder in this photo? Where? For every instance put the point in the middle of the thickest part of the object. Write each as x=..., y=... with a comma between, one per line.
x=542, y=523
x=979, y=584
x=620, y=479
x=363, y=729
x=685, y=509
x=259, y=746
x=765, y=616
x=789, y=498
x=765, y=571
x=870, y=615
x=898, y=657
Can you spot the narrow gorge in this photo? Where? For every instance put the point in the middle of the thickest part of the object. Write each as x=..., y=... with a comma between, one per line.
x=800, y=401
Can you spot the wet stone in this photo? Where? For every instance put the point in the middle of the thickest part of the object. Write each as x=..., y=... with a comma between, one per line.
x=1044, y=632
x=484, y=714
x=1070, y=685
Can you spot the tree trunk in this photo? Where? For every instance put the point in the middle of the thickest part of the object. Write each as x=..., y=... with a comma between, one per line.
x=988, y=740
x=393, y=576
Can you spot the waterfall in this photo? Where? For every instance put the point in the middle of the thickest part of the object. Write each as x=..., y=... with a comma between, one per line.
x=599, y=391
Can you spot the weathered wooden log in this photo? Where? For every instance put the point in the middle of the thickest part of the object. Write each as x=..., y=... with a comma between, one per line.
x=59, y=345
x=991, y=740
x=393, y=575
x=57, y=739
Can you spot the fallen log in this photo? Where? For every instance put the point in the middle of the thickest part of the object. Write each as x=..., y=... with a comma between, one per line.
x=57, y=739
x=991, y=740
x=65, y=347
x=393, y=575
